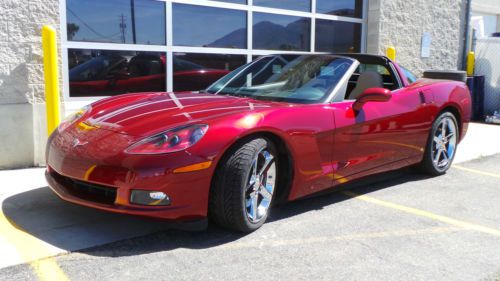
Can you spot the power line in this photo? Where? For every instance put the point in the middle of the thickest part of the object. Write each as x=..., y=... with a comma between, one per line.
x=123, y=27
x=88, y=26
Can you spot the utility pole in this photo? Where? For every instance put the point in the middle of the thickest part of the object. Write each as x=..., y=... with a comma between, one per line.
x=123, y=27
x=132, y=12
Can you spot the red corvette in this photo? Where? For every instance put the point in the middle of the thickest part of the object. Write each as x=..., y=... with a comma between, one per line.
x=279, y=128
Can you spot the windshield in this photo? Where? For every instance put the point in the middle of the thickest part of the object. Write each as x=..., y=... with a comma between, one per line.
x=290, y=78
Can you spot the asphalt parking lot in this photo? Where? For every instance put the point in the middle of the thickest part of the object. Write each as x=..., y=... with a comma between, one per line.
x=397, y=226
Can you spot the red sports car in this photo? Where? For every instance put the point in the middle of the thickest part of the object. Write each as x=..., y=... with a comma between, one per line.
x=279, y=128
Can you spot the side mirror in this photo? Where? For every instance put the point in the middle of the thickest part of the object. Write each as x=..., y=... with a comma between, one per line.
x=371, y=94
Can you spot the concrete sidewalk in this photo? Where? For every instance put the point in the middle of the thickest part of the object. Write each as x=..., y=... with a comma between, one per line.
x=481, y=140
x=54, y=226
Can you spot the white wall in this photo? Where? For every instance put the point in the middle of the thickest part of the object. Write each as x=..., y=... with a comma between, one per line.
x=486, y=6
x=22, y=119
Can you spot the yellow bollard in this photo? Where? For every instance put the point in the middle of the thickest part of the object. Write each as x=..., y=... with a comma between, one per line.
x=471, y=61
x=51, y=75
x=391, y=53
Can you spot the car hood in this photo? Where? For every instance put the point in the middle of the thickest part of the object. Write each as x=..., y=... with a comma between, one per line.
x=147, y=114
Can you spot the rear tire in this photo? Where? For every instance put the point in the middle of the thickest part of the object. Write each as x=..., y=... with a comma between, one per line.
x=441, y=145
x=244, y=186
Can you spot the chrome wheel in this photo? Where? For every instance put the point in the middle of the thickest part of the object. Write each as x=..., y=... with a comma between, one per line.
x=444, y=144
x=260, y=187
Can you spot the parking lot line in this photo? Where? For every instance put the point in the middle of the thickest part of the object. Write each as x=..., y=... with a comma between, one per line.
x=327, y=239
x=32, y=250
x=422, y=213
x=476, y=171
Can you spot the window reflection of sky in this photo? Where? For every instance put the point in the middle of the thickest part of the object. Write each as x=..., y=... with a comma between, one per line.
x=279, y=32
x=99, y=21
x=207, y=26
x=351, y=8
x=298, y=5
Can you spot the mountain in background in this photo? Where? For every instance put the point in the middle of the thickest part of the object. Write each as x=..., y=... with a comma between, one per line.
x=268, y=35
x=294, y=36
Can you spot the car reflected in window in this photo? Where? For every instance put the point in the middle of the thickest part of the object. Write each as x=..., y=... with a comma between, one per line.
x=193, y=72
x=111, y=73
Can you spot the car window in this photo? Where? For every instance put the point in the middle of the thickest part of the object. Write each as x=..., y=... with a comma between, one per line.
x=409, y=75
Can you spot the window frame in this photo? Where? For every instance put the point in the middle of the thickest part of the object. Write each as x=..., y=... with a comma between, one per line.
x=74, y=103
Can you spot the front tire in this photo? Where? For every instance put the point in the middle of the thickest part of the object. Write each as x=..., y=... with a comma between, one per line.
x=244, y=186
x=441, y=145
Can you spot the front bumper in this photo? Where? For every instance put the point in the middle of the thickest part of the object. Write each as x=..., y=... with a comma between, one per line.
x=87, y=177
x=65, y=192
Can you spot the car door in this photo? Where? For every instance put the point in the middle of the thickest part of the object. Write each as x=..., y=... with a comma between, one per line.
x=380, y=134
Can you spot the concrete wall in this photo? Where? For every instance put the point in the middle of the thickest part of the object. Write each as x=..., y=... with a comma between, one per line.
x=22, y=132
x=401, y=23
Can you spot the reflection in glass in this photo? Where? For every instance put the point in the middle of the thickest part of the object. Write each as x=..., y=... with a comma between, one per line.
x=116, y=21
x=345, y=8
x=338, y=36
x=109, y=73
x=298, y=5
x=199, y=26
x=278, y=32
x=193, y=72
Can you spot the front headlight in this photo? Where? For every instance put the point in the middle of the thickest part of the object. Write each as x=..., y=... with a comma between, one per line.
x=169, y=141
x=72, y=118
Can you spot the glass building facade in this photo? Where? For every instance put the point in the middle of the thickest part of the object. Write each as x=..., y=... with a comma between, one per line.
x=117, y=46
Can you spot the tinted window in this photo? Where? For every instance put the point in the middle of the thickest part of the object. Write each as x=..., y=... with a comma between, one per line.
x=194, y=72
x=299, y=5
x=116, y=21
x=345, y=8
x=108, y=73
x=338, y=36
x=209, y=27
x=291, y=78
x=277, y=32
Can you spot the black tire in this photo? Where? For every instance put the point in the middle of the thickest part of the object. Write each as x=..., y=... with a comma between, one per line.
x=428, y=165
x=455, y=75
x=228, y=196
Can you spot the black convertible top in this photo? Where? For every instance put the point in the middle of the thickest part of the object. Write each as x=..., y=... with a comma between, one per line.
x=366, y=58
